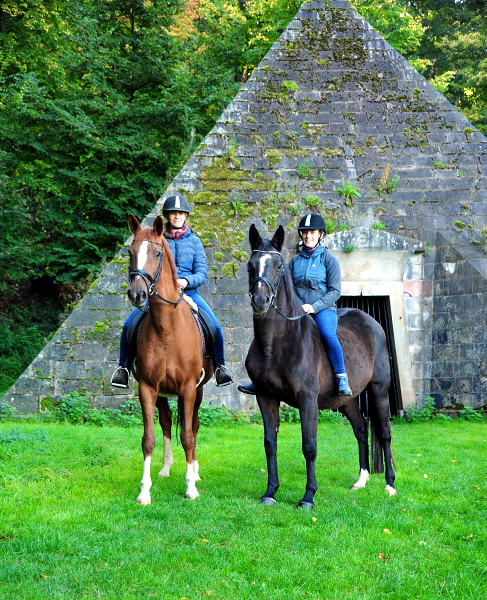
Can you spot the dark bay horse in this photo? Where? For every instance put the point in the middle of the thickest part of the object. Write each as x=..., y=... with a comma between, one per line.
x=169, y=354
x=287, y=362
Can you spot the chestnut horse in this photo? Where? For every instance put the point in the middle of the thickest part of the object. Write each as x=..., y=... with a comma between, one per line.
x=169, y=354
x=287, y=362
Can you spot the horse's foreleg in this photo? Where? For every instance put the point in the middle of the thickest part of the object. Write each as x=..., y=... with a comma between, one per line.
x=308, y=413
x=359, y=425
x=269, y=407
x=196, y=426
x=188, y=441
x=165, y=421
x=147, y=401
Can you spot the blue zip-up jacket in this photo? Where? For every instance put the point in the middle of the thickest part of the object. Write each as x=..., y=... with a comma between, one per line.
x=190, y=259
x=316, y=278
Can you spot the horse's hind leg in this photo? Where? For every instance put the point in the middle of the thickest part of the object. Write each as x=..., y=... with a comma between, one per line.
x=359, y=425
x=165, y=421
x=381, y=434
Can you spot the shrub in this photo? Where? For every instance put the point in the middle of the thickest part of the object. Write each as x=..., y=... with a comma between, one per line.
x=73, y=407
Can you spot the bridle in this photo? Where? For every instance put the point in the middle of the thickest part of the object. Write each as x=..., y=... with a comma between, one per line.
x=153, y=280
x=273, y=287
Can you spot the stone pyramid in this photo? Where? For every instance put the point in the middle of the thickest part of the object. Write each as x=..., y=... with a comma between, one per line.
x=331, y=108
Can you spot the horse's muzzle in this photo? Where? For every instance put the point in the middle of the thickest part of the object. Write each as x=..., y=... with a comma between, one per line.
x=260, y=304
x=138, y=298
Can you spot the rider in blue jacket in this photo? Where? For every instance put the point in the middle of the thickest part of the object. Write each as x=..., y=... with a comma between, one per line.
x=192, y=269
x=317, y=283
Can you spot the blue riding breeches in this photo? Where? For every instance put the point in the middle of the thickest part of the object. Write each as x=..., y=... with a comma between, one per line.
x=198, y=300
x=327, y=321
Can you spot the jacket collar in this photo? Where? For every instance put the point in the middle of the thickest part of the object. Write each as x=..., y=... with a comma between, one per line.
x=316, y=252
x=167, y=232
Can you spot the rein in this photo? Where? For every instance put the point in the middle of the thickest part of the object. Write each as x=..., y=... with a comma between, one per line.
x=153, y=280
x=274, y=287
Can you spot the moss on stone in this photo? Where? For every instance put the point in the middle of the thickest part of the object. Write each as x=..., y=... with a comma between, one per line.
x=251, y=119
x=274, y=156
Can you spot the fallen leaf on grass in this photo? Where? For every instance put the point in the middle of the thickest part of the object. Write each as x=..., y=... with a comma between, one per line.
x=422, y=543
x=387, y=531
x=382, y=556
x=263, y=470
x=453, y=460
x=45, y=576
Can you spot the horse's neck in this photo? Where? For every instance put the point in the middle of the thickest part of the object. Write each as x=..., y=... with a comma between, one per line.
x=165, y=316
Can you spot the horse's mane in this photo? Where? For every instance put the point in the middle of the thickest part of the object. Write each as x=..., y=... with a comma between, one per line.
x=148, y=233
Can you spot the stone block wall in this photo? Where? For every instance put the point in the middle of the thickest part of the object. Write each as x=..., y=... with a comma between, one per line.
x=331, y=105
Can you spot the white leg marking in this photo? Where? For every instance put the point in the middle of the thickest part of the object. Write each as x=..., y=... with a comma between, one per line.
x=142, y=255
x=168, y=458
x=191, y=491
x=362, y=480
x=196, y=468
x=145, y=484
x=390, y=490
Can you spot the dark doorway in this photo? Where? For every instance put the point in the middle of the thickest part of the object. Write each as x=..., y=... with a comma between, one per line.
x=379, y=307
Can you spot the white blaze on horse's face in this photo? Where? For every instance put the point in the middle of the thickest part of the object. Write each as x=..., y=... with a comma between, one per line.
x=262, y=263
x=142, y=255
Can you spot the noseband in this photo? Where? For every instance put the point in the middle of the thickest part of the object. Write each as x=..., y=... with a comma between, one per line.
x=153, y=280
x=273, y=287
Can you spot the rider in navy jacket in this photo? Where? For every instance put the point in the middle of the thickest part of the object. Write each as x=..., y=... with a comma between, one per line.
x=192, y=270
x=316, y=278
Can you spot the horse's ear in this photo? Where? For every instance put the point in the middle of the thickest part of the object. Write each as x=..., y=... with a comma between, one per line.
x=134, y=224
x=158, y=225
x=254, y=237
x=278, y=239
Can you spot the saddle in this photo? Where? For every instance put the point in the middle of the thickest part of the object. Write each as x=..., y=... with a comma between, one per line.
x=206, y=327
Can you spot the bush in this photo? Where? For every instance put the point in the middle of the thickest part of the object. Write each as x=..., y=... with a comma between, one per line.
x=73, y=407
x=6, y=412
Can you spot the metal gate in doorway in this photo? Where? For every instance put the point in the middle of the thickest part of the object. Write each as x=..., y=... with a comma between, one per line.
x=379, y=307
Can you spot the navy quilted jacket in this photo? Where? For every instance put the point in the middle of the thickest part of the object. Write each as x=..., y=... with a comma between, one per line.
x=190, y=258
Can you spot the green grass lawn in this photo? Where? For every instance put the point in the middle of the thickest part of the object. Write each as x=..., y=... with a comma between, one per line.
x=70, y=527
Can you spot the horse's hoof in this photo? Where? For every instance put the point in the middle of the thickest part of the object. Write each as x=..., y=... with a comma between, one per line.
x=268, y=501
x=163, y=473
x=191, y=495
x=390, y=490
x=143, y=502
x=306, y=505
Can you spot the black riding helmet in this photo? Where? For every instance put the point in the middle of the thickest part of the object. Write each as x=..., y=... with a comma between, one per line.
x=177, y=203
x=312, y=221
